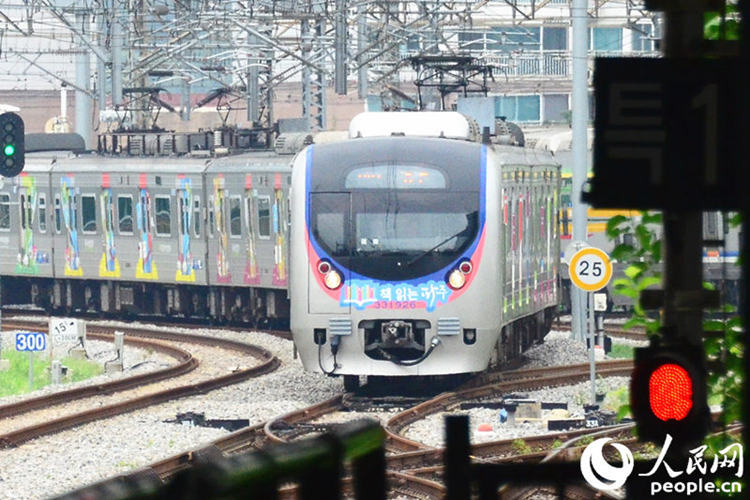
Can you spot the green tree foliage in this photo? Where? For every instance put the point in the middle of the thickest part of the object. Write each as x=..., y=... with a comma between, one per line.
x=722, y=27
x=640, y=253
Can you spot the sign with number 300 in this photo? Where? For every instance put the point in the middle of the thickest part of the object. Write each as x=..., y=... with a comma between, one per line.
x=31, y=341
x=590, y=269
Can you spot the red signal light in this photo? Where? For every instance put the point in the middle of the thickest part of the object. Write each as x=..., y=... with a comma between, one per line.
x=670, y=392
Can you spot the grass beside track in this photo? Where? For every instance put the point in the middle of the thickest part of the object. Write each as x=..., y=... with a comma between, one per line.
x=16, y=379
x=621, y=351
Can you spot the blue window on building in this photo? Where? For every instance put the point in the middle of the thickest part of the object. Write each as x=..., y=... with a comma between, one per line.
x=607, y=40
x=641, y=38
x=524, y=108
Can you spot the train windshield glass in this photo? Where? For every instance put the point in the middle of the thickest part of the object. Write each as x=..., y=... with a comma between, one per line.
x=395, y=234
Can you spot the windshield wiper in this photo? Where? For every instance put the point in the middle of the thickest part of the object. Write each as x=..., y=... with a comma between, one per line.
x=428, y=252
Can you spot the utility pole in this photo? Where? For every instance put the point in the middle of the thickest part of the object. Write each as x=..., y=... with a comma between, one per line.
x=580, y=108
x=83, y=72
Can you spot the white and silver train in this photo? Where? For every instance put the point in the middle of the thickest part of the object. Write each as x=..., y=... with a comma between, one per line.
x=418, y=249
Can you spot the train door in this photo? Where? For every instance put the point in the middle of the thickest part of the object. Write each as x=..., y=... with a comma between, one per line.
x=184, y=196
x=330, y=236
x=69, y=209
x=27, y=200
x=146, y=265
x=109, y=266
x=252, y=276
x=280, y=230
x=223, y=274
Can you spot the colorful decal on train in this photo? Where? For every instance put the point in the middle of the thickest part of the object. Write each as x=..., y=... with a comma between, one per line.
x=146, y=268
x=70, y=217
x=109, y=266
x=280, y=275
x=252, y=276
x=427, y=292
x=223, y=275
x=26, y=262
x=368, y=293
x=185, y=265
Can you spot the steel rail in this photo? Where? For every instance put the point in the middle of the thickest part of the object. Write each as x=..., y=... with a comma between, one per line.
x=268, y=363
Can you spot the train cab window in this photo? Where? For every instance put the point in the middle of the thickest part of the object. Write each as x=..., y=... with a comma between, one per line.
x=197, y=216
x=235, y=216
x=58, y=215
x=88, y=214
x=163, y=216
x=42, y=214
x=4, y=212
x=125, y=214
x=264, y=217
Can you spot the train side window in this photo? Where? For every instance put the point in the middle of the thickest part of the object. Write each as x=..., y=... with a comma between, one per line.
x=88, y=214
x=211, y=223
x=288, y=213
x=23, y=211
x=125, y=213
x=249, y=216
x=235, y=216
x=42, y=213
x=58, y=215
x=4, y=212
x=264, y=217
x=163, y=216
x=197, y=216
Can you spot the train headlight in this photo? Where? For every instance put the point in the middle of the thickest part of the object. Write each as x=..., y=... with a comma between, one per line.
x=456, y=279
x=333, y=279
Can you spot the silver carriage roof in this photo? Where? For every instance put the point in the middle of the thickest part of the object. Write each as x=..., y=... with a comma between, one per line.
x=446, y=124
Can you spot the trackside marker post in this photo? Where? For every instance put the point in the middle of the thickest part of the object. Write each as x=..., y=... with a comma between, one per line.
x=591, y=270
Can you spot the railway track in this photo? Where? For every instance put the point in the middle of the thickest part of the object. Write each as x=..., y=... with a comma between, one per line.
x=414, y=469
x=147, y=338
x=611, y=330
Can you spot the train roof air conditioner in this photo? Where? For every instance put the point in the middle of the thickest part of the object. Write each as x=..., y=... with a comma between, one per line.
x=448, y=124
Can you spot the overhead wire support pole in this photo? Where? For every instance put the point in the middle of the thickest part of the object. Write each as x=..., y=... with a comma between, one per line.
x=340, y=46
x=580, y=112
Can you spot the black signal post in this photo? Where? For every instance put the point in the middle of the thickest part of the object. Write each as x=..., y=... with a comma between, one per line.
x=11, y=144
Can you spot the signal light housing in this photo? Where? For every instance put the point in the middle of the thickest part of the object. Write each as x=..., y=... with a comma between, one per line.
x=668, y=394
x=12, y=153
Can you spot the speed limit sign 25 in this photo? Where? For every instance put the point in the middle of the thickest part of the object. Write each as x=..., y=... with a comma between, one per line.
x=590, y=269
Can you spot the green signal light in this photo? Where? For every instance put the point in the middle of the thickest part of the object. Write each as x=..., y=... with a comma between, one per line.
x=9, y=150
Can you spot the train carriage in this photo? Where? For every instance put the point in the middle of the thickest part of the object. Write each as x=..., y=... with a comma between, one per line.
x=25, y=229
x=248, y=227
x=418, y=254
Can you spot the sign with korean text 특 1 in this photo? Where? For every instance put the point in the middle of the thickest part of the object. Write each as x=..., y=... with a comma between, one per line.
x=669, y=133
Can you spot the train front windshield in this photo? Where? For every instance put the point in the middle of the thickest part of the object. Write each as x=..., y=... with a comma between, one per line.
x=395, y=222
